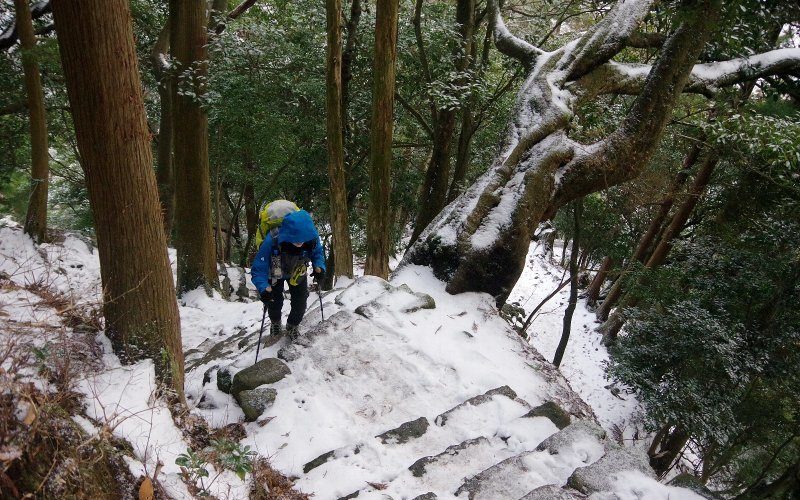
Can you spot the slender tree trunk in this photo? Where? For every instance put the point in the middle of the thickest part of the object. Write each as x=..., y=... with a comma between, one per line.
x=462, y=154
x=164, y=166
x=433, y=196
x=342, y=246
x=669, y=449
x=656, y=226
x=597, y=283
x=251, y=219
x=99, y=59
x=378, y=216
x=573, y=286
x=36, y=216
x=194, y=239
x=614, y=323
x=348, y=57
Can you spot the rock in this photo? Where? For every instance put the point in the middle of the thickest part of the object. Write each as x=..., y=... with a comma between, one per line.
x=313, y=464
x=571, y=434
x=475, y=401
x=418, y=468
x=426, y=496
x=255, y=401
x=550, y=492
x=289, y=353
x=207, y=374
x=224, y=380
x=601, y=475
x=266, y=371
x=242, y=291
x=690, y=482
x=405, y=432
x=551, y=410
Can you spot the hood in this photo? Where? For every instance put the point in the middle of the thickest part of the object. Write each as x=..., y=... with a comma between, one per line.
x=297, y=227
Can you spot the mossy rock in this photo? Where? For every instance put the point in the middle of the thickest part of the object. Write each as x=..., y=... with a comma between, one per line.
x=255, y=401
x=266, y=371
x=552, y=411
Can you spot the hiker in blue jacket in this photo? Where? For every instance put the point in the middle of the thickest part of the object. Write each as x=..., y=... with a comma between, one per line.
x=285, y=259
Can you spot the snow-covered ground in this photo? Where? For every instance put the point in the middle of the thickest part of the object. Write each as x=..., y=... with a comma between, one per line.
x=354, y=376
x=585, y=357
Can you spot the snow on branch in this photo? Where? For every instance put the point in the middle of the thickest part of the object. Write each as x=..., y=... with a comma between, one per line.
x=506, y=42
x=605, y=39
x=706, y=79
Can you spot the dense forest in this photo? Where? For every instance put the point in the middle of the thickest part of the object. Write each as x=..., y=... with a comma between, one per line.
x=651, y=148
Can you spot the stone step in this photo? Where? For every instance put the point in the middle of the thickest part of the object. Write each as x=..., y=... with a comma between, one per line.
x=415, y=429
x=478, y=400
x=554, y=460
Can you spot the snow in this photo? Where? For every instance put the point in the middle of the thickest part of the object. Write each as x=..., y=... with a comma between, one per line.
x=356, y=377
x=586, y=356
x=633, y=485
x=716, y=71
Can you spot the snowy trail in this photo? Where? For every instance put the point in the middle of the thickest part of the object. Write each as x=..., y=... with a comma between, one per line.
x=585, y=358
x=354, y=377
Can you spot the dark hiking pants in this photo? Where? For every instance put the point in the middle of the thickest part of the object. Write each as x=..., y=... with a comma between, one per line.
x=298, y=298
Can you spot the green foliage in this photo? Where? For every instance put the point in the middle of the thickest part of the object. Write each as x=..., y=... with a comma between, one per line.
x=224, y=454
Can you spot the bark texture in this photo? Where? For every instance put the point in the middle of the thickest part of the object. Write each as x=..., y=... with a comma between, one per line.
x=342, y=246
x=36, y=215
x=99, y=59
x=164, y=168
x=194, y=237
x=573, y=288
x=378, y=215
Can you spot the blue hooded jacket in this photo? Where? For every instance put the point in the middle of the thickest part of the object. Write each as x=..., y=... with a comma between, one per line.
x=296, y=227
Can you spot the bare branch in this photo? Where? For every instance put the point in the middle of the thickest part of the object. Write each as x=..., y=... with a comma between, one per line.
x=407, y=106
x=240, y=9
x=506, y=42
x=641, y=40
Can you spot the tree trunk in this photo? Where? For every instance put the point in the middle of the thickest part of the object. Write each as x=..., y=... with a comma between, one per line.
x=669, y=449
x=251, y=219
x=98, y=55
x=433, y=196
x=378, y=216
x=164, y=166
x=194, y=239
x=340, y=226
x=480, y=242
x=36, y=215
x=462, y=154
x=614, y=323
x=656, y=225
x=573, y=287
x=348, y=57
x=597, y=283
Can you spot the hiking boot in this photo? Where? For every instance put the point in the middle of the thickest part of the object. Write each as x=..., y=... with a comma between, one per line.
x=275, y=330
x=292, y=331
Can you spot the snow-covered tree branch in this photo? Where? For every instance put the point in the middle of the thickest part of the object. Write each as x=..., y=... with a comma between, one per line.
x=706, y=79
x=479, y=241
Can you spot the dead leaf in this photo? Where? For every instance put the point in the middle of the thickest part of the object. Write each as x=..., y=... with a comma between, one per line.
x=146, y=490
x=30, y=416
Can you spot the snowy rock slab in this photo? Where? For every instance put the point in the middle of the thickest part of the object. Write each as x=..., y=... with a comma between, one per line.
x=551, y=492
x=601, y=475
x=255, y=401
x=480, y=399
x=266, y=371
x=552, y=411
x=569, y=436
x=405, y=432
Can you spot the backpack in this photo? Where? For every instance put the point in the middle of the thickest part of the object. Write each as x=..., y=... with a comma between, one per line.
x=271, y=217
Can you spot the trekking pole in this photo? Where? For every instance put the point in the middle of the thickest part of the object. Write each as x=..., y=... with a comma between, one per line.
x=321, y=310
x=263, y=318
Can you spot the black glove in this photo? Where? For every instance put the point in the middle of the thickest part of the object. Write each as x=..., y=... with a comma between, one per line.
x=317, y=274
x=266, y=296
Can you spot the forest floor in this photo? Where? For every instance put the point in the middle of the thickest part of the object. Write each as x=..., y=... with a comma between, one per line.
x=376, y=362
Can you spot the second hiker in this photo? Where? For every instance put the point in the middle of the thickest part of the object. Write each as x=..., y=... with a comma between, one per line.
x=282, y=258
